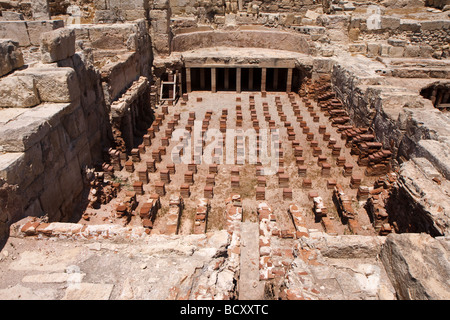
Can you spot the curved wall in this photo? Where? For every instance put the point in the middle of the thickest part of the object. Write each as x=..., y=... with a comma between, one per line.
x=269, y=39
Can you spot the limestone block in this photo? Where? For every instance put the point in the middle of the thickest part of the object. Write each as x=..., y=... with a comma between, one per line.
x=57, y=45
x=22, y=168
x=357, y=47
x=8, y=164
x=160, y=21
x=388, y=22
x=412, y=51
x=11, y=57
x=323, y=65
x=36, y=28
x=353, y=34
x=374, y=48
x=106, y=16
x=110, y=36
x=100, y=5
x=12, y=16
x=409, y=25
x=384, y=50
x=435, y=24
x=16, y=31
x=18, y=92
x=30, y=127
x=162, y=44
x=40, y=9
x=419, y=274
x=396, y=52
x=57, y=85
x=396, y=42
x=131, y=15
x=426, y=51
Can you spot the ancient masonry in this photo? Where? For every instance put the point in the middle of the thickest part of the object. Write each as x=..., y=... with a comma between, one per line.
x=156, y=149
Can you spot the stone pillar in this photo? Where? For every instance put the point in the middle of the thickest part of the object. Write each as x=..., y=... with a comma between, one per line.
x=263, y=79
x=213, y=80
x=289, y=80
x=188, y=80
x=238, y=80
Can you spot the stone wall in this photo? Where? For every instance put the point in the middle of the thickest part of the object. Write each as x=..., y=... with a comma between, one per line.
x=44, y=149
x=110, y=11
x=397, y=37
x=121, y=52
x=27, y=33
x=131, y=115
x=417, y=202
x=411, y=128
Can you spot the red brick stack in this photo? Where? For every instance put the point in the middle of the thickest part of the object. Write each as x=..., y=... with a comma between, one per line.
x=201, y=215
x=376, y=203
x=343, y=204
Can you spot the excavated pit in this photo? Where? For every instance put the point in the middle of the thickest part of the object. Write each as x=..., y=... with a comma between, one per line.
x=226, y=151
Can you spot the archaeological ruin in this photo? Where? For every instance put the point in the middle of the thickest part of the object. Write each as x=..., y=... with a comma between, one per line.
x=225, y=149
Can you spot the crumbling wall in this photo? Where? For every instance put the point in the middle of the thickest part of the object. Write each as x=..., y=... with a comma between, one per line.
x=390, y=36
x=417, y=201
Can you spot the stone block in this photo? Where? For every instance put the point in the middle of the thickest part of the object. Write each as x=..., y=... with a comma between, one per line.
x=396, y=52
x=389, y=22
x=40, y=9
x=16, y=31
x=11, y=56
x=18, y=92
x=57, y=45
x=36, y=28
x=374, y=49
x=57, y=85
x=30, y=127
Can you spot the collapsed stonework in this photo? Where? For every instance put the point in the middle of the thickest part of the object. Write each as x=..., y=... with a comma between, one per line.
x=106, y=114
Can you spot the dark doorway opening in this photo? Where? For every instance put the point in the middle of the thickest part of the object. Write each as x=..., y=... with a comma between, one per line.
x=226, y=79
x=276, y=79
x=200, y=79
x=251, y=79
x=297, y=80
